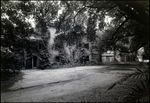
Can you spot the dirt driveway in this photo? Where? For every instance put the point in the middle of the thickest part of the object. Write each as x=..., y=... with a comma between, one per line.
x=76, y=84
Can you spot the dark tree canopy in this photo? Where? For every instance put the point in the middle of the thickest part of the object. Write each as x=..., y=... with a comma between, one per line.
x=127, y=31
x=129, y=24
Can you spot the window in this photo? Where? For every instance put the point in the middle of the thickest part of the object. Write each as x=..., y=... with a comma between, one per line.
x=34, y=61
x=87, y=58
x=40, y=46
x=57, y=58
x=86, y=46
x=35, y=47
x=80, y=45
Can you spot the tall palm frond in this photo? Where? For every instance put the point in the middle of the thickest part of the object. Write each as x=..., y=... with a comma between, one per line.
x=140, y=92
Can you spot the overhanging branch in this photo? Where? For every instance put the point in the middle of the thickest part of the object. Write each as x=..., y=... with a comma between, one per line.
x=120, y=27
x=77, y=14
x=142, y=45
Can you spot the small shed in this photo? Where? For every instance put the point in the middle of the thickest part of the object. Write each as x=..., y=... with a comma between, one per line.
x=108, y=57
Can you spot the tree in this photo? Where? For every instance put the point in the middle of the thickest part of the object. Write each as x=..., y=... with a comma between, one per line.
x=124, y=13
x=137, y=10
x=127, y=32
x=68, y=41
x=135, y=26
x=15, y=29
x=44, y=14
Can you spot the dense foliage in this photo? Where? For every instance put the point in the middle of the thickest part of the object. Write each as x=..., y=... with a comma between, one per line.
x=14, y=31
x=122, y=25
x=126, y=28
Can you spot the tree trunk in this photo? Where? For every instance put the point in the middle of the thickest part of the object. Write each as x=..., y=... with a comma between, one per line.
x=100, y=55
x=24, y=57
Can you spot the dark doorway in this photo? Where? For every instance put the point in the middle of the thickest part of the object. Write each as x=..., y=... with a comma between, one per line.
x=57, y=58
x=87, y=58
x=34, y=61
x=29, y=63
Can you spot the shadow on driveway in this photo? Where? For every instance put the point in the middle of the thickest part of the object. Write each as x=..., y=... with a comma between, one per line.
x=6, y=83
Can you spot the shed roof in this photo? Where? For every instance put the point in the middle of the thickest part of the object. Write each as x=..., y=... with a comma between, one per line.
x=105, y=54
x=108, y=53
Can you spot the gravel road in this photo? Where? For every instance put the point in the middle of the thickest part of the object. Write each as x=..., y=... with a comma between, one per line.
x=76, y=84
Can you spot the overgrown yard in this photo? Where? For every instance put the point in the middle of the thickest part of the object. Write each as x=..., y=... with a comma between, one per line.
x=76, y=84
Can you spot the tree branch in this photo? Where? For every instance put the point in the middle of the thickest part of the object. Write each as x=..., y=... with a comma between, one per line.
x=120, y=27
x=63, y=18
x=98, y=7
x=125, y=15
x=134, y=10
x=119, y=37
x=145, y=43
x=77, y=14
x=111, y=8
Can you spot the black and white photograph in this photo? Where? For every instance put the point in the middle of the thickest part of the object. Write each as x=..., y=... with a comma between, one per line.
x=75, y=51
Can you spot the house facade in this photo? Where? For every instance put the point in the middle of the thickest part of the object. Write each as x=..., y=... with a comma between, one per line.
x=83, y=52
x=39, y=51
x=86, y=52
x=91, y=52
x=32, y=57
x=108, y=57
